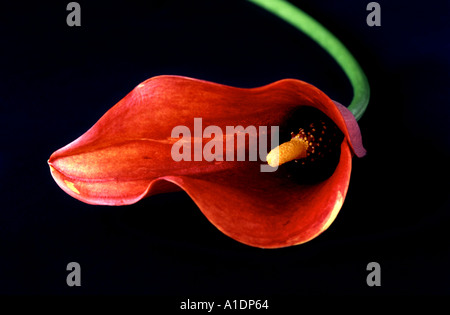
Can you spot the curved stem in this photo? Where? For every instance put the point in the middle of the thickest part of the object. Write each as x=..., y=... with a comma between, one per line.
x=305, y=23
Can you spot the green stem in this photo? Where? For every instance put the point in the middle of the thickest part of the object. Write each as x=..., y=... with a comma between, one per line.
x=305, y=23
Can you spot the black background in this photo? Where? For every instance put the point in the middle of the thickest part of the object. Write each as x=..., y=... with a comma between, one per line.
x=56, y=81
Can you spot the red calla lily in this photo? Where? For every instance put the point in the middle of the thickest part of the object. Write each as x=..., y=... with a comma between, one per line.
x=126, y=156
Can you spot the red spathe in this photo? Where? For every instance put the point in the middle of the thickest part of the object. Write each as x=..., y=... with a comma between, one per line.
x=126, y=156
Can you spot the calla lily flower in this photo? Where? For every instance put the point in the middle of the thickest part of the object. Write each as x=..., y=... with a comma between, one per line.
x=126, y=156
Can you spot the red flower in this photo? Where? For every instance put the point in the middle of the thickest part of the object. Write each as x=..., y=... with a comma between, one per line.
x=126, y=156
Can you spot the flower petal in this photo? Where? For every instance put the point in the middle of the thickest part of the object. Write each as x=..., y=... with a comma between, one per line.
x=265, y=209
x=353, y=131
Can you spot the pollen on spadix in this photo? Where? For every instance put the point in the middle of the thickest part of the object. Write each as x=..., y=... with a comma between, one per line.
x=309, y=144
x=288, y=151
